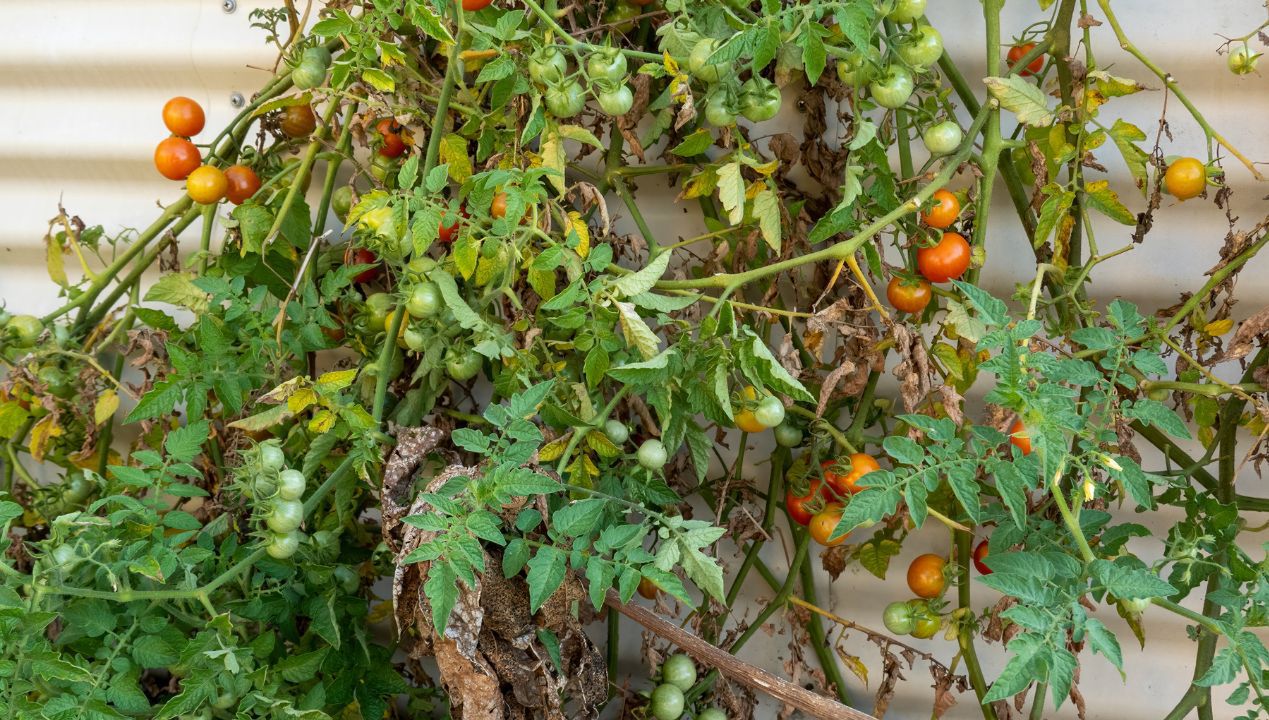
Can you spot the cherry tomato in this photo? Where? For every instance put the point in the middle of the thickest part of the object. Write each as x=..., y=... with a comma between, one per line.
x=607, y=64
x=947, y=260
x=298, y=121
x=176, y=158
x=909, y=295
x=341, y=201
x=616, y=101
x=667, y=702
x=944, y=212
x=24, y=330
x=498, y=208
x=897, y=618
x=925, y=576
x=310, y=73
x=378, y=308
x=848, y=483
x=385, y=170
x=565, y=101
x=272, y=458
x=547, y=66
x=759, y=100
x=285, y=516
x=282, y=546
x=711, y=713
x=652, y=454
x=1242, y=60
x=980, y=554
x=745, y=418
x=906, y=11
x=860, y=67
x=242, y=183
x=648, y=589
x=616, y=431
x=424, y=301
x=183, y=116
x=207, y=185
x=718, y=110
x=922, y=47
x=797, y=504
x=770, y=411
x=1015, y=54
x=317, y=54
x=824, y=523
x=1020, y=438
x=1185, y=178
x=942, y=138
x=362, y=256
x=679, y=671
x=393, y=144
x=622, y=17
x=291, y=484
x=698, y=63
x=462, y=365
x=473, y=5
x=788, y=435
x=893, y=88
x=925, y=626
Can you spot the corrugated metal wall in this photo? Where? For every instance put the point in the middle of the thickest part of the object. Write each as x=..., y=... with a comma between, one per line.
x=82, y=83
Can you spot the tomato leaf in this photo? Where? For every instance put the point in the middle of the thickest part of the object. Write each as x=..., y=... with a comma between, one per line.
x=1022, y=98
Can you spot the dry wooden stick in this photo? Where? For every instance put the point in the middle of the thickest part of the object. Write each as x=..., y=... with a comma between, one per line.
x=731, y=666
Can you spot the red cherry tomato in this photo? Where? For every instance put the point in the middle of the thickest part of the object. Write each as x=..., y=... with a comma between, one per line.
x=943, y=214
x=947, y=260
x=243, y=183
x=980, y=554
x=183, y=116
x=393, y=143
x=1015, y=54
x=798, y=504
x=908, y=295
x=855, y=467
x=473, y=5
x=362, y=256
x=1019, y=437
x=925, y=576
x=176, y=158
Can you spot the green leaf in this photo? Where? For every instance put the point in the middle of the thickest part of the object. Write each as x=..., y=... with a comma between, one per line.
x=1153, y=412
x=771, y=373
x=546, y=572
x=178, y=289
x=694, y=144
x=421, y=14
x=702, y=570
x=379, y=80
x=160, y=400
x=579, y=518
x=463, y=313
x=1224, y=669
x=1055, y=207
x=1104, y=642
x=1022, y=98
x=646, y=372
x=643, y=280
x=662, y=303
x=814, y=56
x=1126, y=136
x=301, y=668
x=1101, y=198
x=993, y=310
x=875, y=555
x=442, y=593
x=1129, y=582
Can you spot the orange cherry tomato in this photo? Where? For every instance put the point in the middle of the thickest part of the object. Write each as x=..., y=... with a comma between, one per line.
x=243, y=183
x=183, y=116
x=947, y=260
x=1019, y=437
x=1185, y=178
x=925, y=576
x=908, y=295
x=648, y=589
x=801, y=507
x=980, y=554
x=944, y=213
x=1015, y=54
x=498, y=208
x=176, y=158
x=745, y=419
x=472, y=5
x=848, y=483
x=207, y=185
x=298, y=121
x=823, y=524
x=393, y=143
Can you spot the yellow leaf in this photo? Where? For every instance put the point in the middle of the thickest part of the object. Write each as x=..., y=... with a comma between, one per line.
x=583, y=232
x=43, y=432
x=283, y=391
x=1216, y=328
x=301, y=399
x=855, y=666
x=553, y=156
x=554, y=449
x=323, y=421
x=454, y=152
x=56, y=268
x=107, y=404
x=700, y=184
x=336, y=379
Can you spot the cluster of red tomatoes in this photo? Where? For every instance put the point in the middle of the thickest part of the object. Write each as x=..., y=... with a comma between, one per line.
x=176, y=158
x=946, y=260
x=820, y=508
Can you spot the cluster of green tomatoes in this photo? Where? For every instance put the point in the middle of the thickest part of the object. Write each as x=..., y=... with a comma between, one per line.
x=605, y=70
x=667, y=700
x=277, y=491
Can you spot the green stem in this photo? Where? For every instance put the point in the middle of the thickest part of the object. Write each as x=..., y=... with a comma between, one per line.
x=1037, y=703
x=965, y=638
x=819, y=640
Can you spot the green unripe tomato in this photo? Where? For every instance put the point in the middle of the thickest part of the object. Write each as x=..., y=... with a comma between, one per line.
x=698, y=62
x=64, y=557
x=378, y=309
x=651, y=454
x=308, y=74
x=419, y=267
x=341, y=202
x=897, y=618
x=565, y=101
x=286, y=515
x=281, y=547
x=271, y=457
x=77, y=489
x=942, y=138
x=607, y=64
x=385, y=169
x=759, y=100
x=224, y=701
x=291, y=485
x=712, y=713
x=462, y=365
x=318, y=54
x=788, y=435
x=906, y=11
x=860, y=67
x=922, y=48
x=23, y=330
x=547, y=65
x=718, y=111
x=616, y=431
x=616, y=101
x=679, y=671
x=667, y=702
x=893, y=88
x=415, y=340
x=348, y=579
x=425, y=300
x=770, y=411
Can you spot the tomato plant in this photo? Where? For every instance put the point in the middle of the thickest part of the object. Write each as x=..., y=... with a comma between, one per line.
x=279, y=475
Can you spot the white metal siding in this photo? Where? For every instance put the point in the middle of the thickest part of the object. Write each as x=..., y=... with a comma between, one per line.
x=82, y=83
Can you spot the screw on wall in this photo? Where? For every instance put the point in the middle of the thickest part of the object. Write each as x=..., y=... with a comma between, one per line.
x=229, y=5
x=237, y=100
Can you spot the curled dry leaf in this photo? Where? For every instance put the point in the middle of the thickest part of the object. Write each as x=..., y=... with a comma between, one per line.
x=913, y=371
x=1251, y=332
